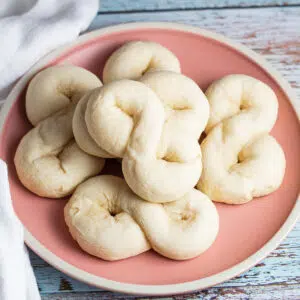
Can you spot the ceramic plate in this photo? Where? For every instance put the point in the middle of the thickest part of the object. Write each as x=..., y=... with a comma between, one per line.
x=247, y=232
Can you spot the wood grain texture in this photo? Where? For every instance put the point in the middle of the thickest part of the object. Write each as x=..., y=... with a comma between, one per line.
x=270, y=292
x=155, y=5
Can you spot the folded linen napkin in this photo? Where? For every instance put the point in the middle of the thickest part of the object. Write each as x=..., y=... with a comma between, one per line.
x=28, y=30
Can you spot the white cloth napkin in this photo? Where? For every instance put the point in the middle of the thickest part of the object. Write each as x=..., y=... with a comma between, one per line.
x=17, y=280
x=31, y=28
x=28, y=30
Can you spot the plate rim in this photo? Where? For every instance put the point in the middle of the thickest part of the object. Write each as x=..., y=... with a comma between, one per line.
x=168, y=289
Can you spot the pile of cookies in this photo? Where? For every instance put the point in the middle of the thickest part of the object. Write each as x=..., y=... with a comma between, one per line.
x=150, y=117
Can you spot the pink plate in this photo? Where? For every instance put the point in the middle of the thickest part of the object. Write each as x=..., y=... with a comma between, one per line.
x=247, y=232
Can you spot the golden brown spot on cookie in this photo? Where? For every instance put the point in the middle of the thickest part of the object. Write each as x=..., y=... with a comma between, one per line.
x=171, y=157
x=74, y=211
x=148, y=67
x=126, y=112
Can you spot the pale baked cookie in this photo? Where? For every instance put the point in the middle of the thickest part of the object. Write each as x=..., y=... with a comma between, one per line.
x=127, y=119
x=240, y=159
x=109, y=221
x=135, y=58
x=48, y=161
x=54, y=88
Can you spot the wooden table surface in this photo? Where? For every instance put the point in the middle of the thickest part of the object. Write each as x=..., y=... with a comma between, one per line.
x=271, y=28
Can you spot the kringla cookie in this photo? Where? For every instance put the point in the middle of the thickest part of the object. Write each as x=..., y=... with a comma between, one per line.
x=109, y=221
x=127, y=119
x=240, y=159
x=54, y=88
x=48, y=161
x=136, y=58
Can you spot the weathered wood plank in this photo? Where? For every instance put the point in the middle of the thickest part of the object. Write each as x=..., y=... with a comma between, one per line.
x=150, y=5
x=272, y=32
x=271, y=292
x=280, y=267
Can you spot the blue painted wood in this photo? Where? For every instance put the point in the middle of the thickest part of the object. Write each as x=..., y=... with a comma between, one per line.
x=269, y=292
x=144, y=5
